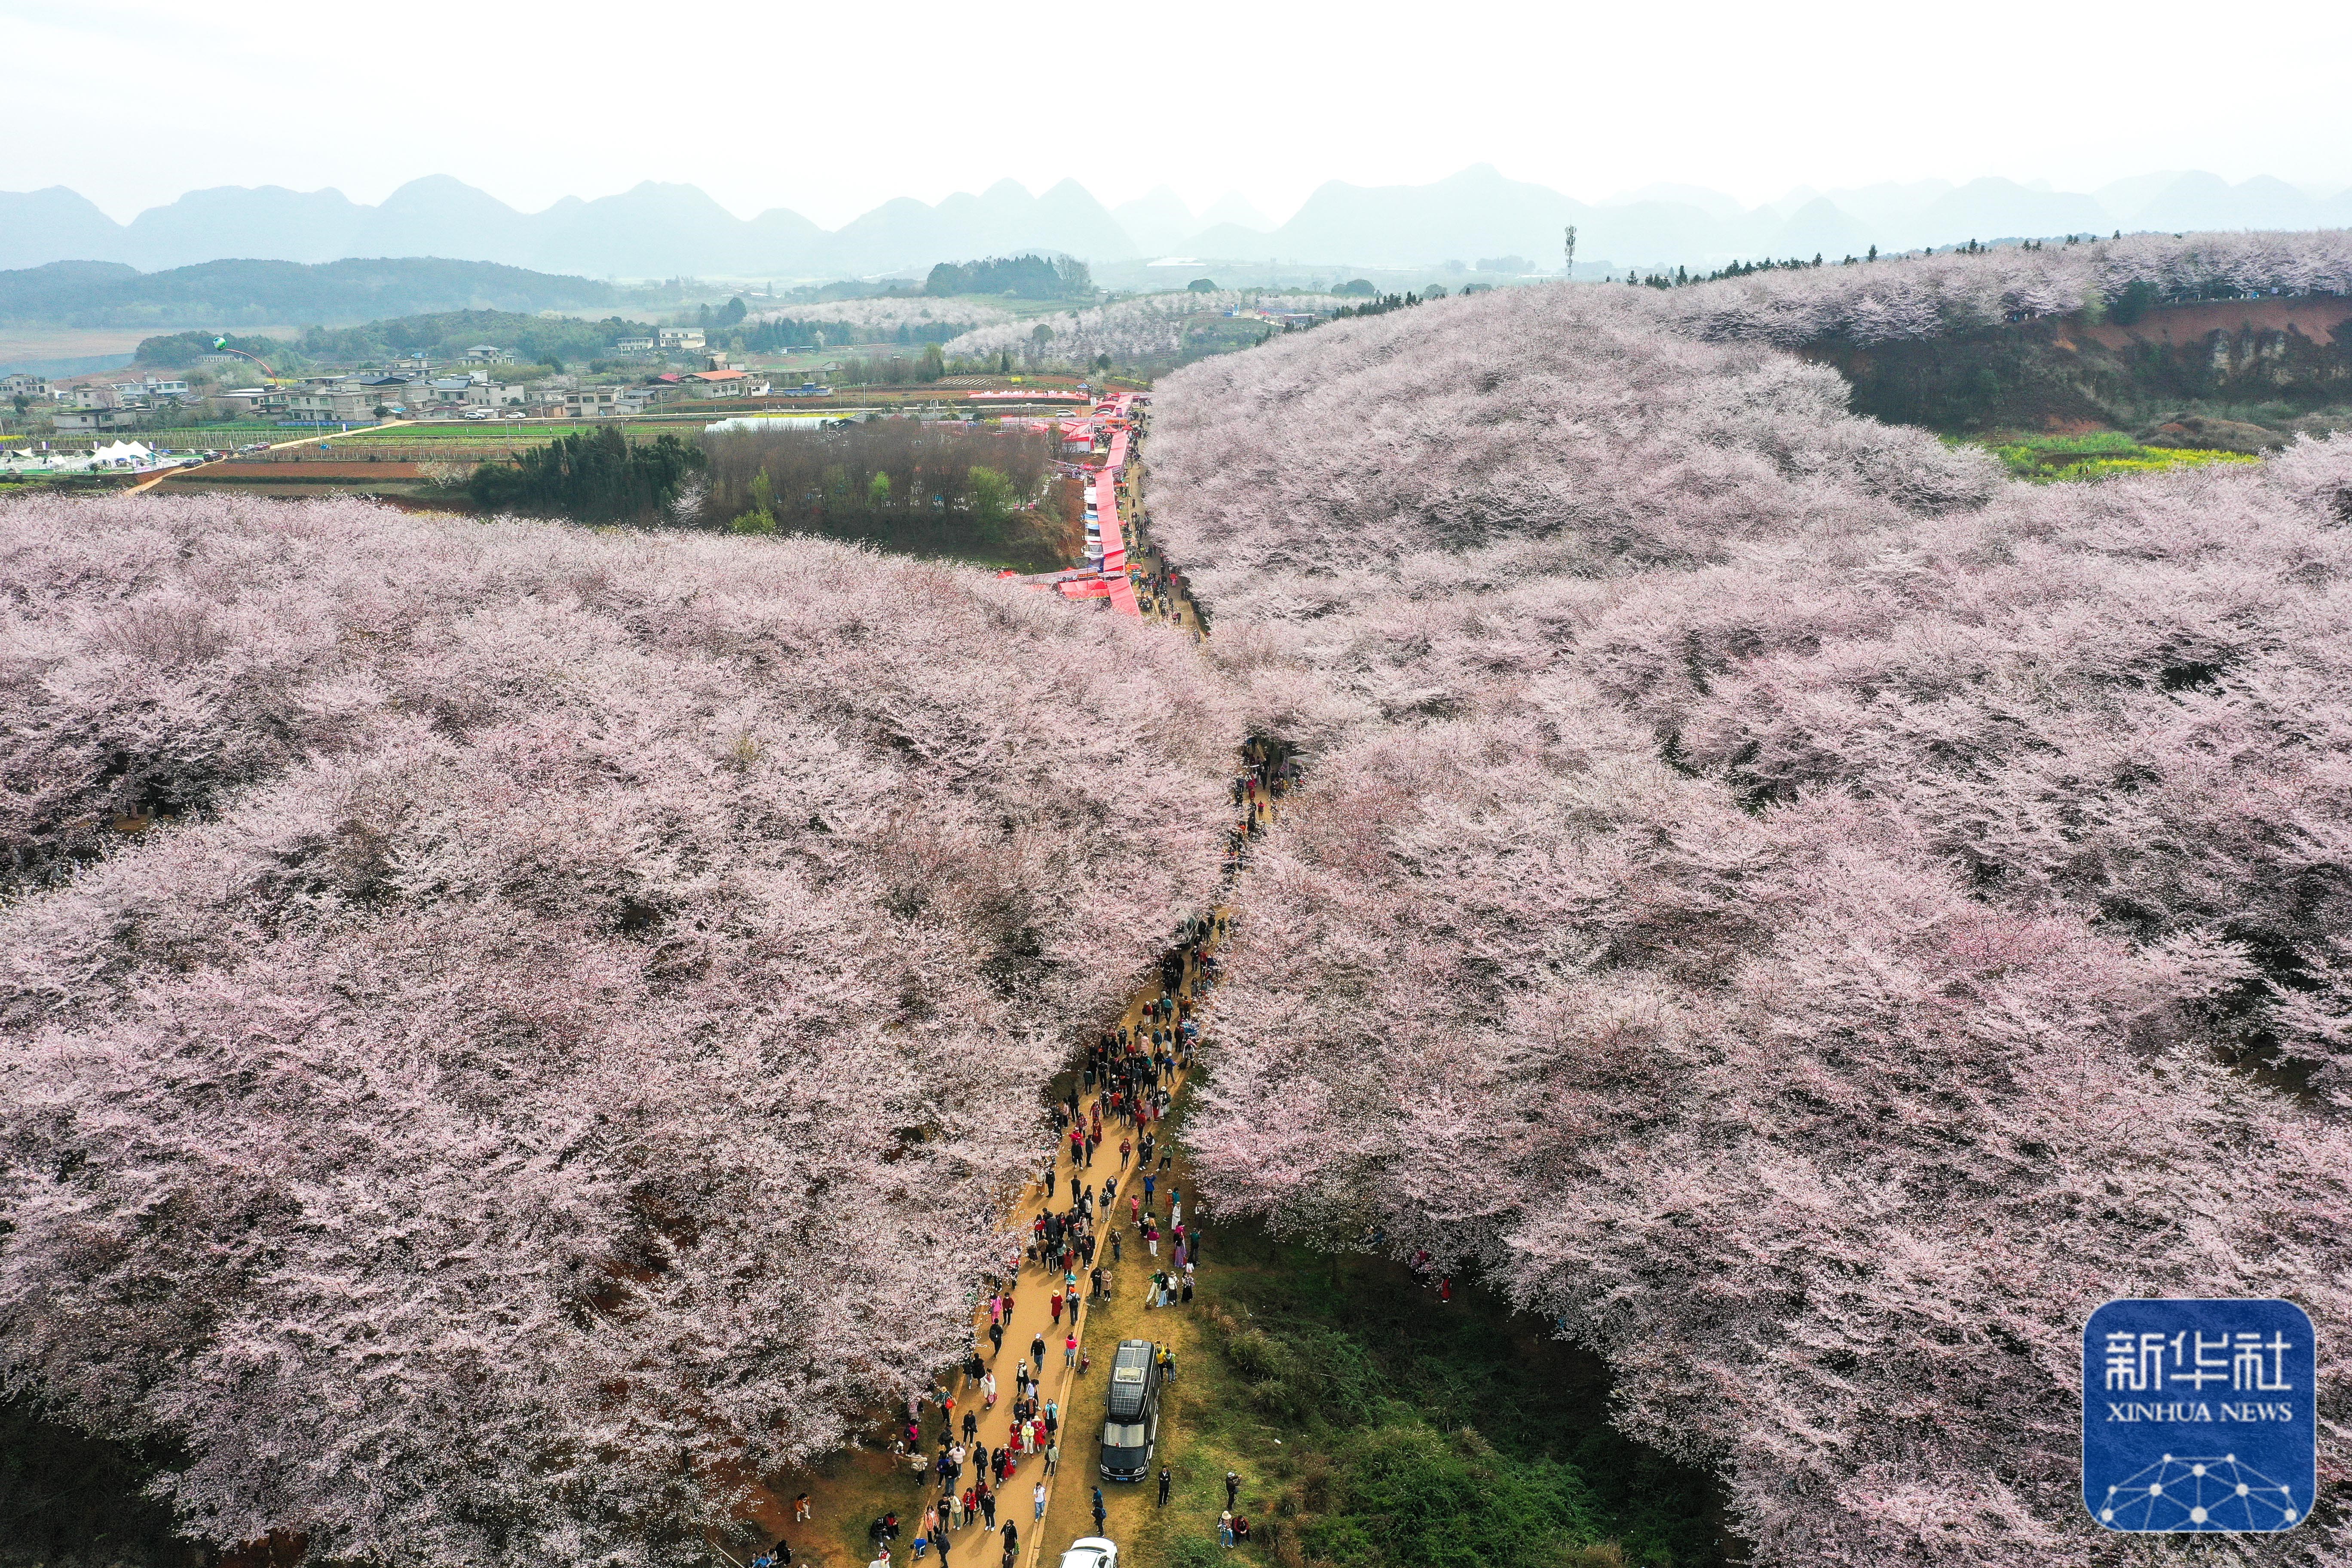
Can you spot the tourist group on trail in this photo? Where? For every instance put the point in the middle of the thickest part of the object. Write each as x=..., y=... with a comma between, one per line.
x=1116, y=1193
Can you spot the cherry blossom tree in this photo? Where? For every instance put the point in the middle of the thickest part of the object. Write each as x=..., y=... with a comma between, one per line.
x=1129, y=331
x=1810, y=917
x=1927, y=296
x=887, y=315
x=576, y=1055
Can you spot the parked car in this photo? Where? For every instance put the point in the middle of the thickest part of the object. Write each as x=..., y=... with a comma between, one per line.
x=1131, y=1412
x=1091, y=1552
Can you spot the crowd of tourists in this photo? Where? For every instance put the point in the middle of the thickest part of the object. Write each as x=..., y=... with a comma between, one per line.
x=1114, y=1192
x=1108, y=1125
x=1268, y=774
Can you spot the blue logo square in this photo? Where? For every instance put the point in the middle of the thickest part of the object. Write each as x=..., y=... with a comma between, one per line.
x=2200, y=1415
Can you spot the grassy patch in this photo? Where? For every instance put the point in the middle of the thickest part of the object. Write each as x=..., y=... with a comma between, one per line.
x=1415, y=1433
x=1373, y=1426
x=2046, y=459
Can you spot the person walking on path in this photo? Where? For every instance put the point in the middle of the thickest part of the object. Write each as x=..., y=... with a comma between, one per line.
x=1039, y=1493
x=1053, y=1457
x=1038, y=1349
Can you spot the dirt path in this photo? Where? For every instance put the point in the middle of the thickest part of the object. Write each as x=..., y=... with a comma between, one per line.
x=847, y=1495
x=847, y=1492
x=157, y=478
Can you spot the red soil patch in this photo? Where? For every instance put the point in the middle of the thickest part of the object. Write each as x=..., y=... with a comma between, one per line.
x=307, y=471
x=2313, y=317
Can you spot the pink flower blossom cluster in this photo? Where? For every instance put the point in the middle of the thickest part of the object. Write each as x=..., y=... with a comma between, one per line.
x=1808, y=915
x=1129, y=331
x=574, y=1042
x=1927, y=296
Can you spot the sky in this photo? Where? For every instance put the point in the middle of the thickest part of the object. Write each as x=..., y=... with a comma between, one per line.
x=830, y=109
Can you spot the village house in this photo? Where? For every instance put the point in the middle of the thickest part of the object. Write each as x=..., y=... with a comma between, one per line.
x=682, y=339
x=720, y=383
x=254, y=401
x=594, y=403
x=151, y=390
x=332, y=404
x=90, y=421
x=444, y=392
x=23, y=384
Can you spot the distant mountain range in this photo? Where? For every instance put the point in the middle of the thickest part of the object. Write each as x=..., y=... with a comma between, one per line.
x=666, y=231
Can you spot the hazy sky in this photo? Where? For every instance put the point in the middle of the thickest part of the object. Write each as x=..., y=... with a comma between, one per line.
x=829, y=108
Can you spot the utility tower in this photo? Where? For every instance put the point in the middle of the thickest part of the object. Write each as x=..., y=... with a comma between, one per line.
x=1568, y=263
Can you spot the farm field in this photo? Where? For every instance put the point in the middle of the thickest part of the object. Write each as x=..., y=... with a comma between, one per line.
x=2103, y=454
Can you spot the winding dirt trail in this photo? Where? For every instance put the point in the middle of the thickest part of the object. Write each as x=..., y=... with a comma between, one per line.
x=844, y=1504
x=849, y=1491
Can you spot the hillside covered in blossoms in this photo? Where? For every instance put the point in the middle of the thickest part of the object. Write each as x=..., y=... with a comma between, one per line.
x=514, y=1037
x=507, y=1031
x=1810, y=915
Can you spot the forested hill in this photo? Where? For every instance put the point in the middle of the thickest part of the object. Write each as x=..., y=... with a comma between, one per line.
x=529, y=338
x=1812, y=915
x=573, y=1019
x=2255, y=328
x=240, y=293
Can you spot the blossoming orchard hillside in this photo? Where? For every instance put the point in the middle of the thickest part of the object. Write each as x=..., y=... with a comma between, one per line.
x=1812, y=915
x=565, y=1038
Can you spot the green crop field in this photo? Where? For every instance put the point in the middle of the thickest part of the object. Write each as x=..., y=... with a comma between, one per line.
x=2063, y=459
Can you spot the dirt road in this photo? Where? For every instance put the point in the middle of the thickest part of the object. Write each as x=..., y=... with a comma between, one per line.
x=852, y=1489
x=157, y=478
x=861, y=1487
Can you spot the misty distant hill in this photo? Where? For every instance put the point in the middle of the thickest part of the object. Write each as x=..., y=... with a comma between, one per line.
x=238, y=293
x=653, y=231
x=658, y=230
x=1479, y=213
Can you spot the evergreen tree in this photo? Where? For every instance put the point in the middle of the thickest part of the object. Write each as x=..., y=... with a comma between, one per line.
x=601, y=476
